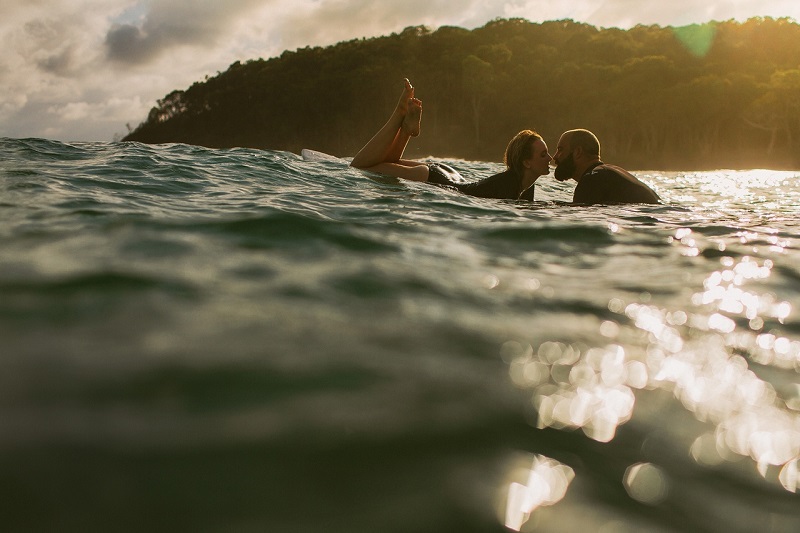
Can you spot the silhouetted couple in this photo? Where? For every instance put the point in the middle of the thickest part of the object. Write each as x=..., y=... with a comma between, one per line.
x=526, y=158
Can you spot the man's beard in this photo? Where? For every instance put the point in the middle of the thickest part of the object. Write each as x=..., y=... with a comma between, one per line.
x=565, y=169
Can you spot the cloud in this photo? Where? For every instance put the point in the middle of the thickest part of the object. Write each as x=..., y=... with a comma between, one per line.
x=51, y=46
x=628, y=13
x=129, y=43
x=171, y=23
x=82, y=69
x=51, y=58
x=331, y=21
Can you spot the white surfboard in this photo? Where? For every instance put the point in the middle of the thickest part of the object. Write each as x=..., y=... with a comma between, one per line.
x=313, y=155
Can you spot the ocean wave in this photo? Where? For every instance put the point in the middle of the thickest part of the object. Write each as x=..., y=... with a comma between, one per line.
x=180, y=323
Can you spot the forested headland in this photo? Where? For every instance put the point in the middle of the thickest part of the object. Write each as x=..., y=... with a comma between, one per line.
x=716, y=95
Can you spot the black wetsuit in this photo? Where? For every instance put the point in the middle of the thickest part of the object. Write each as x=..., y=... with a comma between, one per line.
x=503, y=186
x=607, y=184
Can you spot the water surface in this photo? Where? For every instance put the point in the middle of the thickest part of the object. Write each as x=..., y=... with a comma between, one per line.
x=217, y=340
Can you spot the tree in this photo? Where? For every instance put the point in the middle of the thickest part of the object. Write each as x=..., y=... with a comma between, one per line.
x=692, y=96
x=479, y=82
x=777, y=110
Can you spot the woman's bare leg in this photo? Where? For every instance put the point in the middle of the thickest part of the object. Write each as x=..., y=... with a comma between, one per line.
x=388, y=145
x=410, y=127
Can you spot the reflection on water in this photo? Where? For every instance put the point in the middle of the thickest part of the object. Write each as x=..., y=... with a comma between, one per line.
x=702, y=355
x=788, y=476
x=646, y=483
x=545, y=484
x=591, y=391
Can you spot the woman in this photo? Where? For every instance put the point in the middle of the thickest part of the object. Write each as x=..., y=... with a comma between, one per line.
x=526, y=157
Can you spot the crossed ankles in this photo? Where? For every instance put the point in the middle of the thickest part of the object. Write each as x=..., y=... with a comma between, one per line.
x=412, y=121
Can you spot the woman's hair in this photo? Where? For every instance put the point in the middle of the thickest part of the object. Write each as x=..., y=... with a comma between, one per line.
x=519, y=149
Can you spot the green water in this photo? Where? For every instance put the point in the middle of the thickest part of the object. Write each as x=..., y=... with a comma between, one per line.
x=240, y=340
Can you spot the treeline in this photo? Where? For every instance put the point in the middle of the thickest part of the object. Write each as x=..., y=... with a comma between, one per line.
x=717, y=95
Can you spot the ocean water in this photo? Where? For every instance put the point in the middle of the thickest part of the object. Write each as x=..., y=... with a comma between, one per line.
x=241, y=340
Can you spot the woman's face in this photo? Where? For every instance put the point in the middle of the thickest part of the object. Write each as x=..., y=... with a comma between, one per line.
x=539, y=162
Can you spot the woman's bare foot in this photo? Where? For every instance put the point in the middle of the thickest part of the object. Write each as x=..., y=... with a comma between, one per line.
x=405, y=98
x=412, y=122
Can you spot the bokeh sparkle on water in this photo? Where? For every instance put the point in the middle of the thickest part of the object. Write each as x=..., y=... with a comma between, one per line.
x=701, y=353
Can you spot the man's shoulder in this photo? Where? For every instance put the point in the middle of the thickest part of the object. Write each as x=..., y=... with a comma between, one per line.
x=604, y=172
x=605, y=168
x=611, y=184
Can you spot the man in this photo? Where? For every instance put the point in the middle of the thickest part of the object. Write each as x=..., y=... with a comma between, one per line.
x=578, y=157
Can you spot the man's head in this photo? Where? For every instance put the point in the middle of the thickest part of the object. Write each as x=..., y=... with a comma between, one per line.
x=577, y=149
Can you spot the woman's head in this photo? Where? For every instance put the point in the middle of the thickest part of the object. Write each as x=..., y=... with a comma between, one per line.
x=527, y=150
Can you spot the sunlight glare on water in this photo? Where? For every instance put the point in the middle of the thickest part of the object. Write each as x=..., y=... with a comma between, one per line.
x=646, y=483
x=590, y=391
x=694, y=353
x=545, y=483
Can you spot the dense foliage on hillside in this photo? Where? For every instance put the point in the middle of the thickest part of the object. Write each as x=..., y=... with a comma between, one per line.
x=715, y=95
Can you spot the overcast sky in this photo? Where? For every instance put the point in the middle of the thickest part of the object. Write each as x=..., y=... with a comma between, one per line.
x=80, y=70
